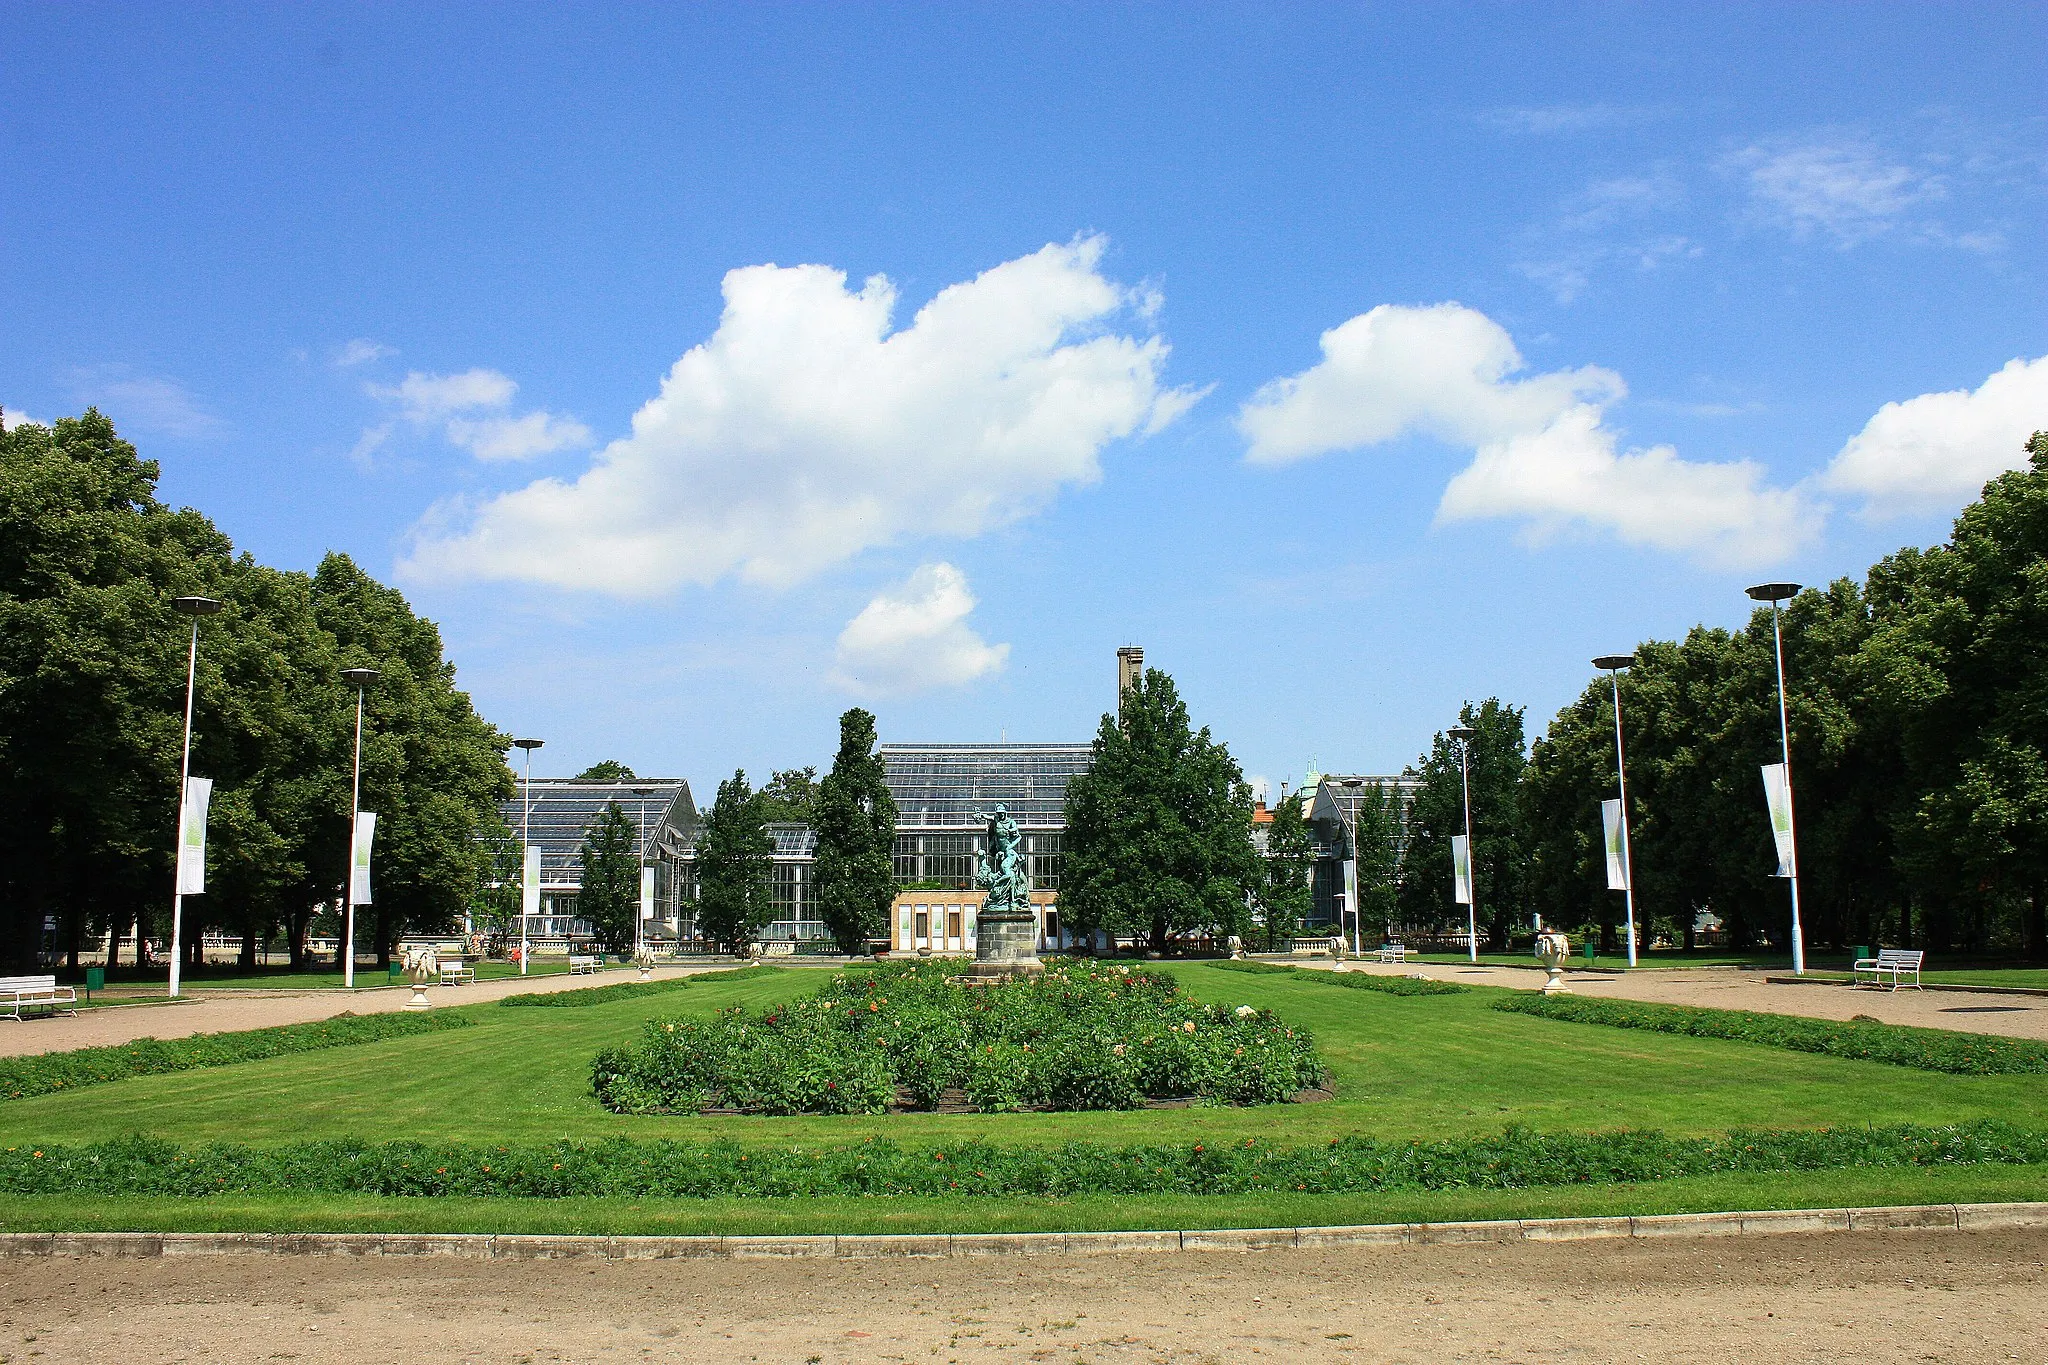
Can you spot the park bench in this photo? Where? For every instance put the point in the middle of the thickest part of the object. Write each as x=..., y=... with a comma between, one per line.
x=18, y=993
x=456, y=972
x=1393, y=952
x=1890, y=964
x=583, y=962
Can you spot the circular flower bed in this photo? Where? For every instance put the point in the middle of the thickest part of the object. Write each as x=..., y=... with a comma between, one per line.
x=1081, y=1036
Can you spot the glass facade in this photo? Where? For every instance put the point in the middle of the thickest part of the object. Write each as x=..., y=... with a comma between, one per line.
x=556, y=814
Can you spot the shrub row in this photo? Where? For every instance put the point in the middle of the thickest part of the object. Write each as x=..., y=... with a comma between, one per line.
x=21, y=1077
x=1081, y=1036
x=1927, y=1049
x=1357, y=981
x=627, y=990
x=625, y=1168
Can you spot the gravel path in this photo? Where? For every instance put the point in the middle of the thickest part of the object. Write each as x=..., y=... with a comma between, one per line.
x=1816, y=1297
x=203, y=1013
x=1728, y=988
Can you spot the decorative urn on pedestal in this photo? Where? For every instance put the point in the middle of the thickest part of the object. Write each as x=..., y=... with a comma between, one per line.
x=1553, y=950
x=643, y=958
x=421, y=966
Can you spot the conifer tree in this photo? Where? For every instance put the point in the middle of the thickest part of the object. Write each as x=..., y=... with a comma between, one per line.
x=856, y=823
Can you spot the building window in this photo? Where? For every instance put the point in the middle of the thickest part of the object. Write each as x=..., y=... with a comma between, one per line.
x=923, y=925
x=1046, y=853
x=952, y=924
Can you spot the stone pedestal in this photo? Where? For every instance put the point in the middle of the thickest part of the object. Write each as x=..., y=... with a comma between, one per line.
x=1005, y=945
x=419, y=999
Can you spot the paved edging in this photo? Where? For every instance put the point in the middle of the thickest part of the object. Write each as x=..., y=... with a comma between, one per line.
x=1954, y=987
x=522, y=1247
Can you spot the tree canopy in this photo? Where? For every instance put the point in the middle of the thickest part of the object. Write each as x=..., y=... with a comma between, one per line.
x=1158, y=827
x=609, y=898
x=735, y=851
x=855, y=874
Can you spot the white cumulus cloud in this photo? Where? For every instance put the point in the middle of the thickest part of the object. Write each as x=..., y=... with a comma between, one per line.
x=915, y=636
x=360, y=351
x=517, y=438
x=1936, y=451
x=10, y=418
x=424, y=397
x=1542, y=452
x=471, y=410
x=806, y=429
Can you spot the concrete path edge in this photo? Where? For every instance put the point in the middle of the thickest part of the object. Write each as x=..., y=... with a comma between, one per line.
x=528, y=1247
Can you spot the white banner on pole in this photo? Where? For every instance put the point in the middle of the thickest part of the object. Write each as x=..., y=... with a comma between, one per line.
x=529, y=901
x=647, y=893
x=359, y=863
x=1778, y=794
x=1350, y=887
x=192, y=836
x=1614, y=830
x=1461, y=870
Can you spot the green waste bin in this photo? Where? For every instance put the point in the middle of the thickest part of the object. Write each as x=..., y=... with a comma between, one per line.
x=396, y=970
x=95, y=980
x=1592, y=951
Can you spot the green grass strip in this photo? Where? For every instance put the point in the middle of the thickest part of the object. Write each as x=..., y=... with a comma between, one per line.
x=21, y=1077
x=1924, y=1049
x=626, y=1168
x=626, y=990
x=1356, y=981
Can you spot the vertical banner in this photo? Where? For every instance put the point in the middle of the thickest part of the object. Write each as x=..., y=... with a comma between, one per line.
x=359, y=864
x=1614, y=832
x=529, y=900
x=1351, y=895
x=1461, y=870
x=192, y=836
x=1778, y=794
x=647, y=893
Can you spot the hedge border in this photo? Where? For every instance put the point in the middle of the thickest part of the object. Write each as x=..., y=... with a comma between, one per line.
x=671, y=1168
x=1358, y=981
x=1923, y=1049
x=49, y=1072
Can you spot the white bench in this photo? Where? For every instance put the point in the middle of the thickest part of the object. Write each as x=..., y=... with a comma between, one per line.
x=18, y=993
x=1890, y=964
x=582, y=962
x=456, y=972
x=1393, y=952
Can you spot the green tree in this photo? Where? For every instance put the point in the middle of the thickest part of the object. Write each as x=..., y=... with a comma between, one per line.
x=1376, y=835
x=790, y=796
x=609, y=898
x=735, y=892
x=1287, y=897
x=1159, y=827
x=1496, y=761
x=495, y=895
x=855, y=874
x=607, y=770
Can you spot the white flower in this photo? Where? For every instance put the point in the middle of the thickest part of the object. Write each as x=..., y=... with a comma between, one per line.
x=1245, y=1011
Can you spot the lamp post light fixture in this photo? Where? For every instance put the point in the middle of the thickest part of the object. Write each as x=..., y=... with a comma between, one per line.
x=194, y=607
x=525, y=746
x=359, y=679
x=1614, y=663
x=1465, y=734
x=1775, y=593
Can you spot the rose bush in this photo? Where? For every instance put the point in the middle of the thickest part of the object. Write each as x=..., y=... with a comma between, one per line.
x=1081, y=1036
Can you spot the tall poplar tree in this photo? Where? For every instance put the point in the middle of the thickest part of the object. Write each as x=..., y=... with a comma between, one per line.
x=855, y=873
x=735, y=867
x=609, y=898
x=1286, y=895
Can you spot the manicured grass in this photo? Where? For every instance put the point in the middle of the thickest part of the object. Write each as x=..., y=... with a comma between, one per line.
x=1434, y=1066
x=1618, y=962
x=283, y=978
x=682, y=1217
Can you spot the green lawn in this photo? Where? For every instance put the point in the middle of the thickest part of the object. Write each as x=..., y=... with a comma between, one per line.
x=131, y=986
x=1618, y=962
x=1434, y=1066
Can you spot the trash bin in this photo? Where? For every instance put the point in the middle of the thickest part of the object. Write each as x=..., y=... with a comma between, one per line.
x=1592, y=951
x=95, y=980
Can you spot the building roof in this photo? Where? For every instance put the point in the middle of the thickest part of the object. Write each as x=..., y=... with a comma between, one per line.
x=948, y=786
x=663, y=814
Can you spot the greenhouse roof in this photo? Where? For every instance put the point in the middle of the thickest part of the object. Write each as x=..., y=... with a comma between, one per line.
x=949, y=786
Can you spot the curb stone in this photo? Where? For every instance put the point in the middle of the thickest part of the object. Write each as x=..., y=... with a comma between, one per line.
x=532, y=1247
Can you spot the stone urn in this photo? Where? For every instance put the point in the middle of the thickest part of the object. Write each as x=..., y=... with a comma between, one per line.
x=421, y=967
x=1553, y=950
x=1235, y=947
x=643, y=958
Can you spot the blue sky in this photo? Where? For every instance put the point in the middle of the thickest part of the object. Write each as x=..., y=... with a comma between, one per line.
x=484, y=298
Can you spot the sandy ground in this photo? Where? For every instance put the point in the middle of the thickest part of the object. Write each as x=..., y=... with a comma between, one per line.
x=1909, y=1296
x=204, y=1013
x=2016, y=1016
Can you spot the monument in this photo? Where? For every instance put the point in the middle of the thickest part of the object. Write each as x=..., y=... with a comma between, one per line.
x=1006, y=929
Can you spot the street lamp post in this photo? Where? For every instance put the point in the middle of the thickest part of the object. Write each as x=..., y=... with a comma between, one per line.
x=640, y=924
x=1465, y=734
x=525, y=746
x=1774, y=593
x=1351, y=891
x=194, y=607
x=360, y=679
x=1614, y=663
